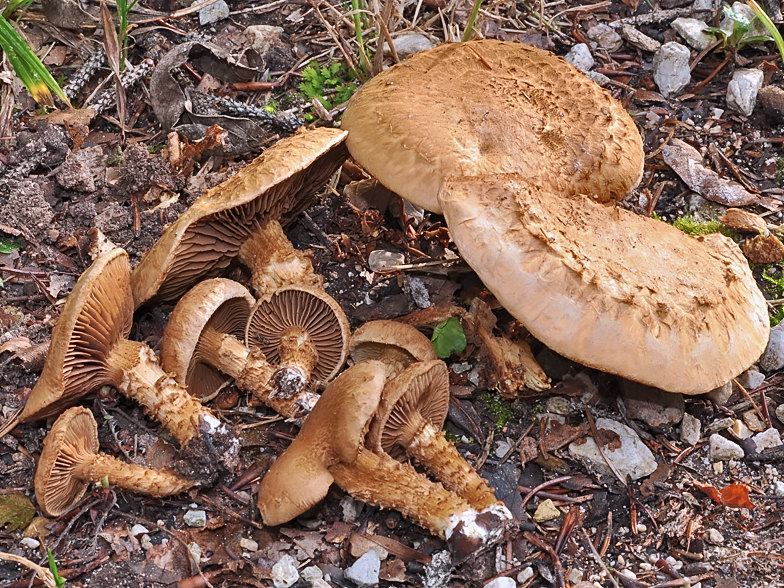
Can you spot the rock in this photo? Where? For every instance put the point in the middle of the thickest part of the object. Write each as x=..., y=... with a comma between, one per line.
x=671, y=68
x=546, y=511
x=284, y=573
x=703, y=6
x=753, y=422
x=694, y=32
x=27, y=203
x=351, y=508
x=655, y=407
x=418, y=292
x=575, y=576
x=580, y=57
x=632, y=458
x=406, y=45
x=740, y=430
x=502, y=582
x=780, y=413
x=597, y=77
x=714, y=536
x=311, y=574
x=137, y=530
x=778, y=488
x=722, y=449
x=213, y=13
x=249, y=544
x=380, y=259
x=438, y=572
x=606, y=37
x=364, y=571
x=772, y=101
x=742, y=90
x=262, y=38
x=767, y=439
x=690, y=429
x=525, y=575
x=501, y=448
x=77, y=171
x=639, y=40
x=773, y=356
x=721, y=394
x=757, y=28
x=195, y=518
x=319, y=583
x=30, y=543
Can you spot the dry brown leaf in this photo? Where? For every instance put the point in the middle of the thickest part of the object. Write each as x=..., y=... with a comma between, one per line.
x=743, y=221
x=113, y=51
x=15, y=345
x=763, y=249
x=735, y=495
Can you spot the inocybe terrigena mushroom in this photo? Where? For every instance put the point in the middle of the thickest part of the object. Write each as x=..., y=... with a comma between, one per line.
x=330, y=447
x=70, y=462
x=202, y=342
x=395, y=344
x=90, y=349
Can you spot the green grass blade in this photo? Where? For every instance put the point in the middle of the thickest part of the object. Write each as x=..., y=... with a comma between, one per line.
x=772, y=28
x=33, y=74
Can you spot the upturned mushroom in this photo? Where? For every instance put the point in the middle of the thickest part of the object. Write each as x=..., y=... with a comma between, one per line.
x=517, y=109
x=90, y=349
x=408, y=421
x=395, y=344
x=330, y=447
x=203, y=341
x=276, y=186
x=70, y=462
x=608, y=288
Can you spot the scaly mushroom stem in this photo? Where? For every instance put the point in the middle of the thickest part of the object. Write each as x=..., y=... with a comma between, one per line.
x=382, y=481
x=251, y=372
x=298, y=357
x=274, y=262
x=131, y=476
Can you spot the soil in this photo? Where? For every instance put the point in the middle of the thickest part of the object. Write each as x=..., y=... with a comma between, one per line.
x=63, y=179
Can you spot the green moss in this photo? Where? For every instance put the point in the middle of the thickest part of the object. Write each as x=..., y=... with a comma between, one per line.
x=693, y=227
x=502, y=414
x=777, y=316
x=450, y=436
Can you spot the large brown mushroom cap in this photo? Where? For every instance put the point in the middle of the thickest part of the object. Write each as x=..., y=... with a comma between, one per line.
x=610, y=289
x=56, y=488
x=220, y=305
x=333, y=433
x=279, y=184
x=97, y=314
x=396, y=344
x=312, y=311
x=532, y=113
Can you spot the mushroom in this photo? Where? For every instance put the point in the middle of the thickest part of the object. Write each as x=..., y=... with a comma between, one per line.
x=70, y=462
x=609, y=289
x=395, y=344
x=202, y=342
x=517, y=109
x=330, y=447
x=303, y=332
x=90, y=349
x=277, y=185
x=408, y=421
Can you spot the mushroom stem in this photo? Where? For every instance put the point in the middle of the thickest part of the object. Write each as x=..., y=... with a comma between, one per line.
x=163, y=400
x=274, y=262
x=131, y=476
x=298, y=357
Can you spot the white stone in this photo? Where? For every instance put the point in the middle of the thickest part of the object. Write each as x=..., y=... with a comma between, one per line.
x=605, y=36
x=139, y=530
x=351, y=508
x=502, y=582
x=778, y=488
x=213, y=13
x=780, y=413
x=629, y=574
x=773, y=357
x=722, y=449
x=262, y=38
x=575, y=576
x=195, y=518
x=600, y=79
x=743, y=88
x=580, y=57
x=501, y=448
x=751, y=378
x=767, y=439
x=639, y=40
x=284, y=573
x=145, y=542
x=406, y=45
x=694, y=32
x=721, y=394
x=525, y=575
x=381, y=259
x=558, y=405
x=249, y=544
x=364, y=571
x=714, y=536
x=311, y=574
x=740, y=430
x=546, y=511
x=671, y=68
x=690, y=429
x=753, y=422
x=321, y=584
x=633, y=457
x=30, y=543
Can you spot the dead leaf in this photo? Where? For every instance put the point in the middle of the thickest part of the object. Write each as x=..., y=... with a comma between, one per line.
x=762, y=249
x=16, y=344
x=735, y=495
x=16, y=511
x=633, y=4
x=113, y=51
x=686, y=161
x=743, y=221
x=393, y=571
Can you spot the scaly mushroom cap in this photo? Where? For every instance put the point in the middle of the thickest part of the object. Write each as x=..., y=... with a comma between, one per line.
x=333, y=433
x=97, y=314
x=279, y=184
x=419, y=393
x=73, y=437
x=220, y=305
x=610, y=289
x=529, y=112
x=391, y=342
x=310, y=309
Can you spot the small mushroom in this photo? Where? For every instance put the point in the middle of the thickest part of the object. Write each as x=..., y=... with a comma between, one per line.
x=517, y=109
x=70, y=462
x=202, y=342
x=408, y=421
x=304, y=333
x=90, y=349
x=610, y=289
x=276, y=186
x=330, y=447
x=395, y=344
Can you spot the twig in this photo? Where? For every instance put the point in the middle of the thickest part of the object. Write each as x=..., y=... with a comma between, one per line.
x=598, y=558
x=542, y=486
x=594, y=432
x=45, y=574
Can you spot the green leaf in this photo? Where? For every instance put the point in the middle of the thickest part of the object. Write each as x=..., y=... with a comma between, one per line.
x=16, y=511
x=59, y=580
x=769, y=25
x=448, y=338
x=9, y=246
